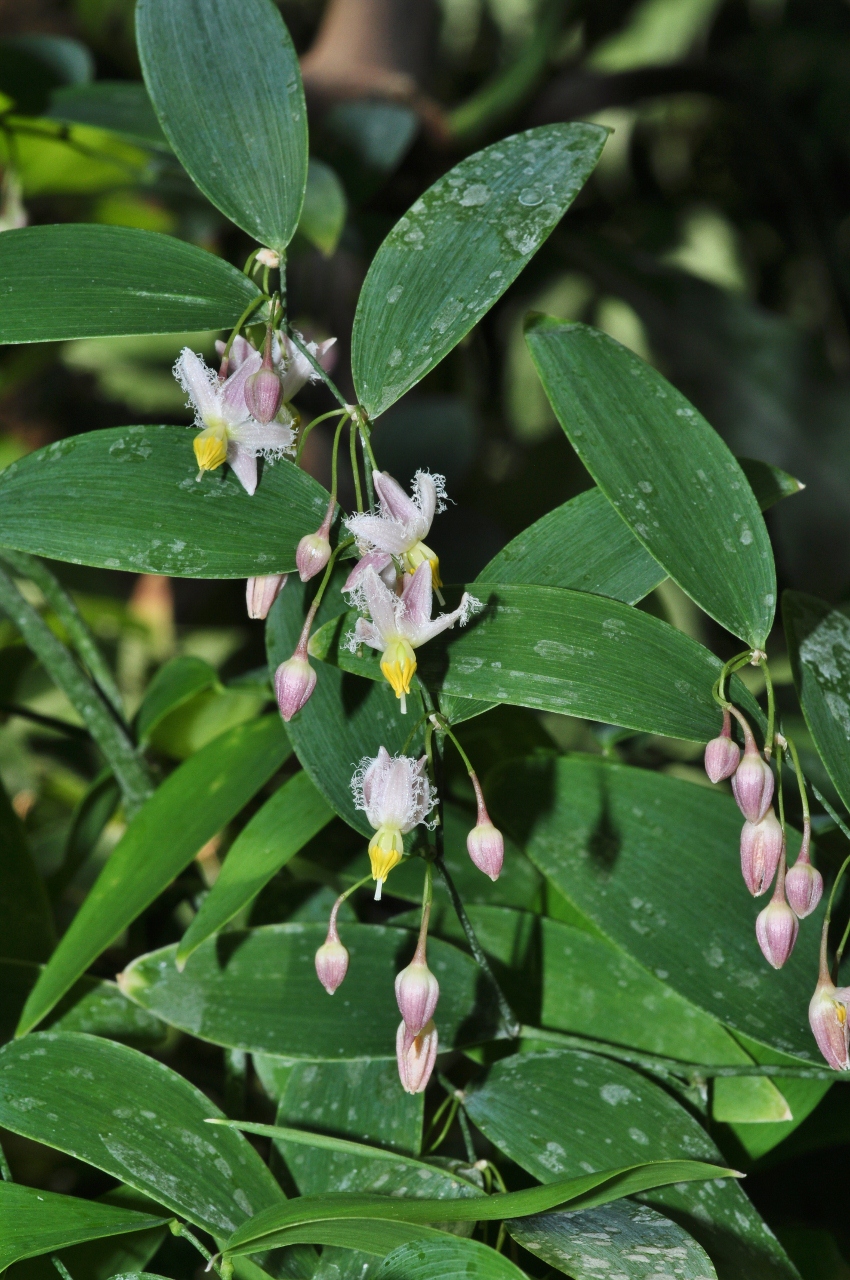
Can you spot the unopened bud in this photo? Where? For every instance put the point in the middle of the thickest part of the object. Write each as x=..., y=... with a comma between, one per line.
x=752, y=782
x=417, y=992
x=722, y=755
x=268, y=258
x=485, y=844
x=294, y=682
x=332, y=956
x=803, y=882
x=828, y=1020
x=761, y=849
x=261, y=593
x=777, y=926
x=416, y=1055
x=314, y=549
x=263, y=394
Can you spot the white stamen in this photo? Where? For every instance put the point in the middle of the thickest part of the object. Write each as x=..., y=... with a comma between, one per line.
x=378, y=887
x=403, y=704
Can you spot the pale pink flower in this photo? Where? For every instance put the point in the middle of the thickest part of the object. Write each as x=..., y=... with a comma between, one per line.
x=777, y=926
x=293, y=369
x=722, y=755
x=485, y=843
x=416, y=1055
x=761, y=848
x=261, y=593
x=398, y=528
x=395, y=794
x=803, y=882
x=332, y=957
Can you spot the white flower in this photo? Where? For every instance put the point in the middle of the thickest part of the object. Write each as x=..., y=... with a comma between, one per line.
x=293, y=369
x=398, y=529
x=400, y=624
x=228, y=432
x=395, y=794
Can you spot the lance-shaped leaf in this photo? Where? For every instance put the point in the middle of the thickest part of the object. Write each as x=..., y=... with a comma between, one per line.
x=86, y=281
x=27, y=932
x=224, y=80
x=121, y=106
x=176, y=683
x=819, y=644
x=189, y=808
x=79, y=500
x=97, y=1007
x=36, y=1222
x=457, y=250
x=665, y=470
x=449, y=1256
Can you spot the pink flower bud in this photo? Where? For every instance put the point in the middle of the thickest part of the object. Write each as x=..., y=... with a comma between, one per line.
x=261, y=593
x=416, y=1055
x=803, y=883
x=485, y=844
x=777, y=926
x=417, y=992
x=332, y=956
x=294, y=681
x=828, y=1020
x=761, y=849
x=314, y=549
x=752, y=783
x=722, y=755
x=263, y=391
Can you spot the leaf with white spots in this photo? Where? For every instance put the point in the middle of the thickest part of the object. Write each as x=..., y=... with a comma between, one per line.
x=819, y=645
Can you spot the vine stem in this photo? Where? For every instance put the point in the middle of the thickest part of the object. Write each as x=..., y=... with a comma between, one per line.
x=326, y=378
x=323, y=417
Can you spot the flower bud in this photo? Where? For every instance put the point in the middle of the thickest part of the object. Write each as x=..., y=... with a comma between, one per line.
x=314, y=549
x=332, y=957
x=417, y=992
x=722, y=755
x=268, y=258
x=294, y=682
x=761, y=849
x=263, y=394
x=261, y=593
x=828, y=1020
x=777, y=926
x=485, y=844
x=416, y=1056
x=752, y=782
x=803, y=882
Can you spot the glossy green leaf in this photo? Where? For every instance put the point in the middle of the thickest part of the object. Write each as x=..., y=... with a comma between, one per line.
x=94, y=1006
x=175, y=683
x=819, y=644
x=294, y=814
x=325, y=208
x=27, y=932
x=666, y=471
x=586, y=546
x=71, y=501
x=559, y=1112
x=112, y=280
x=36, y=1222
x=460, y=1259
x=90, y=817
x=189, y=808
x=748, y=1100
x=224, y=80
x=345, y=719
x=624, y=1239
x=565, y=651
x=258, y=990
x=102, y=1259
x=362, y=1236
x=457, y=250
x=137, y=1120
x=121, y=106
x=270, y=1226
x=621, y=843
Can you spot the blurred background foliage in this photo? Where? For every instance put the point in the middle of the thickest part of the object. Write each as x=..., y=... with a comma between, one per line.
x=713, y=239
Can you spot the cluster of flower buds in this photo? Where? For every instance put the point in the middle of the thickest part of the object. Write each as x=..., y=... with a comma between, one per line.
x=417, y=992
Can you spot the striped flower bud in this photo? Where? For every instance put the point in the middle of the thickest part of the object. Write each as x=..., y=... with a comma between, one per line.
x=722, y=755
x=314, y=549
x=294, y=682
x=752, y=782
x=485, y=844
x=776, y=925
x=828, y=1020
x=416, y=1055
x=417, y=992
x=332, y=956
x=263, y=392
x=261, y=593
x=803, y=882
x=761, y=848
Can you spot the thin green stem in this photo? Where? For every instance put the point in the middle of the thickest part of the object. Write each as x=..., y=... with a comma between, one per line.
x=440, y=722
x=317, y=600
x=734, y=664
x=60, y=1267
x=840, y=952
x=801, y=781
x=328, y=381
x=453, y=1105
x=779, y=791
x=839, y=822
x=252, y=306
x=180, y=1229
x=335, y=453
x=49, y=722
x=771, y=708
x=355, y=470
x=323, y=417
x=249, y=262
x=467, y=1137
x=5, y=1171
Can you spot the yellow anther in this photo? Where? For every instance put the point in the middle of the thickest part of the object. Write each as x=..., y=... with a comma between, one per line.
x=386, y=849
x=415, y=556
x=210, y=447
x=398, y=665
x=841, y=1011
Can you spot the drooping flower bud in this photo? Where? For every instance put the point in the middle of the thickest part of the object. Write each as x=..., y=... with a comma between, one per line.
x=761, y=848
x=803, y=882
x=776, y=925
x=752, y=782
x=485, y=844
x=722, y=755
x=417, y=992
x=263, y=391
x=314, y=549
x=294, y=681
x=416, y=1055
x=332, y=956
x=261, y=593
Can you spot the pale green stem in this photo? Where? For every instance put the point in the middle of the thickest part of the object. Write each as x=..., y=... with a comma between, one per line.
x=355, y=470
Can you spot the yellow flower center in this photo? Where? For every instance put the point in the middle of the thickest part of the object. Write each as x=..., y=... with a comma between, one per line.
x=210, y=447
x=841, y=1011
x=413, y=558
x=398, y=665
x=386, y=849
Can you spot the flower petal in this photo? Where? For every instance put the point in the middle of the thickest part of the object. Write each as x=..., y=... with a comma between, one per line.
x=428, y=630
x=365, y=632
x=381, y=533
x=244, y=465
x=416, y=599
x=394, y=501
x=382, y=605
x=270, y=440
x=233, y=390
x=200, y=384
x=377, y=560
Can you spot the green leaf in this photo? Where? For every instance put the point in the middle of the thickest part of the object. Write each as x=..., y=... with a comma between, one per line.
x=189, y=808
x=27, y=932
x=457, y=250
x=294, y=814
x=112, y=280
x=560, y=1112
x=345, y=719
x=36, y=1222
x=368, y=1235
x=666, y=471
x=79, y=499
x=325, y=208
x=460, y=1259
x=105, y=1258
x=270, y=1226
x=257, y=989
x=564, y=651
x=224, y=80
x=748, y=1100
x=818, y=637
x=90, y=817
x=93, y=1006
x=121, y=106
x=173, y=685
x=620, y=843
x=630, y=1239
x=137, y=1120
